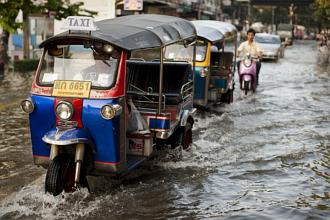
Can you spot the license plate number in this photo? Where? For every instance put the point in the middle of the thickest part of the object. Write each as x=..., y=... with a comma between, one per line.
x=68, y=88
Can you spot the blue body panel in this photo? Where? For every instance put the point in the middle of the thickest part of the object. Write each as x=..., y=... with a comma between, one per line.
x=220, y=83
x=42, y=119
x=156, y=123
x=199, y=92
x=105, y=133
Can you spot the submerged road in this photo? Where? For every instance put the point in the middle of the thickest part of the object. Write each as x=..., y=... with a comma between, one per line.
x=266, y=156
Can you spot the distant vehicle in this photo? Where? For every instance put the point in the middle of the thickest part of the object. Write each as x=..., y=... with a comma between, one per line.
x=299, y=32
x=285, y=31
x=271, y=45
x=259, y=27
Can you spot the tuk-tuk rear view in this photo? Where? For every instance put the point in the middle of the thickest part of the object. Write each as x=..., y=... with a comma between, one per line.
x=93, y=111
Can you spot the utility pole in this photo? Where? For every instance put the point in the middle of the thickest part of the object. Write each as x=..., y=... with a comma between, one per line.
x=273, y=15
x=199, y=13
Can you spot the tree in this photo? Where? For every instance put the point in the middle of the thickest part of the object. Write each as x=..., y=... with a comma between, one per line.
x=60, y=9
x=8, y=13
x=9, y=10
x=322, y=13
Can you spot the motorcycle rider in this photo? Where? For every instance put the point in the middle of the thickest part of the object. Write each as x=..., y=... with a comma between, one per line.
x=252, y=48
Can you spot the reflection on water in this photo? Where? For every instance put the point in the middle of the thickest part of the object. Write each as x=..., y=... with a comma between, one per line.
x=266, y=156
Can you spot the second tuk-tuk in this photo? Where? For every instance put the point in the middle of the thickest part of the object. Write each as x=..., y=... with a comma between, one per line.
x=94, y=112
x=215, y=66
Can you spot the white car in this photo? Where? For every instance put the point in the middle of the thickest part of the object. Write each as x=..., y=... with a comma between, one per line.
x=271, y=45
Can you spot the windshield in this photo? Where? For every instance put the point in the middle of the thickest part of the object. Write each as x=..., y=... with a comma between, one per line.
x=79, y=64
x=179, y=52
x=267, y=39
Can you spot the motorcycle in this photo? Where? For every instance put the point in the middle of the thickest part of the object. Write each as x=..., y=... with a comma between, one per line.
x=247, y=72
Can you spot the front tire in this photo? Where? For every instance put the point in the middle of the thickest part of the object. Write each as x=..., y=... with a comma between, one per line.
x=60, y=175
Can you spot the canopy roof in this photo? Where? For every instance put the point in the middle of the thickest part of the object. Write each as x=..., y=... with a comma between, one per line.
x=210, y=33
x=226, y=29
x=135, y=32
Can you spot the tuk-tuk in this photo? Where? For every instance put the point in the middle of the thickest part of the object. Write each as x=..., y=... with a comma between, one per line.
x=92, y=111
x=215, y=67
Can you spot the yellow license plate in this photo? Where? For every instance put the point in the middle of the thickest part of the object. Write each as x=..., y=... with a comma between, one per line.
x=68, y=88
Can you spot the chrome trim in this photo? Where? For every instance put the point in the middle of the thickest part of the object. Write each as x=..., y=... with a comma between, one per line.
x=193, y=112
x=29, y=100
x=54, y=150
x=167, y=134
x=185, y=116
x=67, y=125
x=117, y=108
x=65, y=142
x=186, y=90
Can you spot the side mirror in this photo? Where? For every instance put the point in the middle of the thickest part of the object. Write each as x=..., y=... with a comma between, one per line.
x=55, y=51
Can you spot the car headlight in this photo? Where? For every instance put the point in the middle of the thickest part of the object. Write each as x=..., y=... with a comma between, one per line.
x=27, y=106
x=109, y=111
x=64, y=110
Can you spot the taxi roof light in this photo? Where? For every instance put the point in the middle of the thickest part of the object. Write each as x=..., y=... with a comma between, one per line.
x=79, y=23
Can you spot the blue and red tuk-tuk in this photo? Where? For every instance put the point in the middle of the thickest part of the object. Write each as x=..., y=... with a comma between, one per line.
x=92, y=111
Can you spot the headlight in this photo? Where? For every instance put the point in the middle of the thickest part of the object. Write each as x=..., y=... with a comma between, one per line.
x=247, y=62
x=110, y=111
x=27, y=106
x=203, y=72
x=64, y=110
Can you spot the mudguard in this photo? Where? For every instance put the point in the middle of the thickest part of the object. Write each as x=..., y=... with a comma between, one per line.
x=68, y=136
x=185, y=115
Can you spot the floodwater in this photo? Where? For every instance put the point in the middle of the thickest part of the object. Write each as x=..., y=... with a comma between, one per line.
x=266, y=156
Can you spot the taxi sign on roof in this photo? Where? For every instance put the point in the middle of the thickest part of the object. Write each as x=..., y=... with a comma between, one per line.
x=79, y=23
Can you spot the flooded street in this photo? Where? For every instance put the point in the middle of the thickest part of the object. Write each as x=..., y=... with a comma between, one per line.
x=266, y=156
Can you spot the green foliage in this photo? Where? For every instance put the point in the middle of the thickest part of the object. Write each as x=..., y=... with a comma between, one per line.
x=26, y=65
x=322, y=12
x=63, y=9
x=60, y=8
x=8, y=12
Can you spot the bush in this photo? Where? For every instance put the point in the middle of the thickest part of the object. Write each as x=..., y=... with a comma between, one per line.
x=26, y=65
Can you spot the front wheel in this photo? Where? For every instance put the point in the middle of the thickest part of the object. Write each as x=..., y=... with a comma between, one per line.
x=60, y=175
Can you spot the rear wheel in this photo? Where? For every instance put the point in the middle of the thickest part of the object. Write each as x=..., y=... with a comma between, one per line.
x=187, y=136
x=60, y=175
x=228, y=97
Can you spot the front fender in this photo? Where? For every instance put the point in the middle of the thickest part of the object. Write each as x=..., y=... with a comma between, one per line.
x=69, y=136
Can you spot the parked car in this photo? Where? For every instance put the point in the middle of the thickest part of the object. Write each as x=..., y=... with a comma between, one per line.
x=272, y=47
